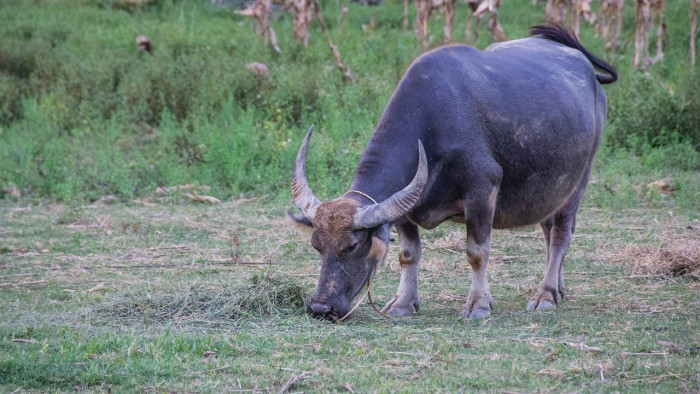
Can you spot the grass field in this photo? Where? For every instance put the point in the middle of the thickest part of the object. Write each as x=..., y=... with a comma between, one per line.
x=112, y=279
x=190, y=297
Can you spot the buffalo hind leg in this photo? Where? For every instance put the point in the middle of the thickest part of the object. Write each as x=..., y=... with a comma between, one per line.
x=479, y=222
x=406, y=302
x=557, y=230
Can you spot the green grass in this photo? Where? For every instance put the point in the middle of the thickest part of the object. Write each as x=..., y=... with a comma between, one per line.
x=83, y=114
x=208, y=298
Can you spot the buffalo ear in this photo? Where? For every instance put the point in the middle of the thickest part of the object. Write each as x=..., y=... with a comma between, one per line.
x=299, y=221
x=383, y=232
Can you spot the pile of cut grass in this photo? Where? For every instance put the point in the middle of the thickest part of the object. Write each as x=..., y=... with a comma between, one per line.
x=675, y=255
x=263, y=296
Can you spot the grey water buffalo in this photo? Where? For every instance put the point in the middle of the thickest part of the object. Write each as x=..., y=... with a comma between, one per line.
x=499, y=138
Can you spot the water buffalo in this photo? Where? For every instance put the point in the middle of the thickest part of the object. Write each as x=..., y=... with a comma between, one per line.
x=499, y=138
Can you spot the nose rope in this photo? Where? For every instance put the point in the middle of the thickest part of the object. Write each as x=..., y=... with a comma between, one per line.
x=357, y=304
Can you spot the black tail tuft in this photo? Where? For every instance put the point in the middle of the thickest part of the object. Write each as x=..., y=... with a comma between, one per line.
x=556, y=32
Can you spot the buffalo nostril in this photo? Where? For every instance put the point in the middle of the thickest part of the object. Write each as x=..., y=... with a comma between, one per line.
x=319, y=309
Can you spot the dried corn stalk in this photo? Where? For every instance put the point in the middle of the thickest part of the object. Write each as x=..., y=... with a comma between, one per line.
x=424, y=9
x=648, y=13
x=585, y=9
x=348, y=75
x=343, y=16
x=555, y=10
x=479, y=8
x=404, y=25
x=577, y=10
x=448, y=7
x=693, y=29
x=303, y=12
x=261, y=10
x=610, y=22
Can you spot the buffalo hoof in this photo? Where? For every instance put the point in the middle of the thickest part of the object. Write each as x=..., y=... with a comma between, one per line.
x=477, y=307
x=403, y=309
x=546, y=298
x=541, y=306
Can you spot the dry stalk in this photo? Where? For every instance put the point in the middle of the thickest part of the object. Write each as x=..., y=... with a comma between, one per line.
x=22, y=340
x=261, y=10
x=404, y=24
x=582, y=346
x=348, y=75
x=649, y=12
x=580, y=9
x=479, y=8
x=27, y=283
x=577, y=10
x=425, y=8
x=292, y=379
x=555, y=10
x=303, y=14
x=343, y=16
x=693, y=29
x=610, y=22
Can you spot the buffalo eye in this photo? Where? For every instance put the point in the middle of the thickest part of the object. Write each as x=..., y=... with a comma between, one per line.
x=348, y=250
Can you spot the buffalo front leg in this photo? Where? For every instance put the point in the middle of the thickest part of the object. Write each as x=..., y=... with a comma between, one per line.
x=406, y=302
x=479, y=218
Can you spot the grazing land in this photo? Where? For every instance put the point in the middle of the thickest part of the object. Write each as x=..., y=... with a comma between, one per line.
x=182, y=296
x=143, y=245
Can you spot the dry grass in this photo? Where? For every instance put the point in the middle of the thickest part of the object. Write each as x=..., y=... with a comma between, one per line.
x=264, y=296
x=673, y=255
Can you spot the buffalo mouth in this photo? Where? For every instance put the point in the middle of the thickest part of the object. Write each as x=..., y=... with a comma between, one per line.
x=325, y=310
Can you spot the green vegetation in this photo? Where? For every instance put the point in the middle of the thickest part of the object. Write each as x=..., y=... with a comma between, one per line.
x=84, y=114
x=211, y=298
x=153, y=292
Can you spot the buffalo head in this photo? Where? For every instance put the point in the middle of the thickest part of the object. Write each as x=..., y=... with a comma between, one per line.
x=352, y=239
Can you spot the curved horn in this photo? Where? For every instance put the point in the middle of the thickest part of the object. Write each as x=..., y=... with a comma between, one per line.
x=401, y=202
x=304, y=198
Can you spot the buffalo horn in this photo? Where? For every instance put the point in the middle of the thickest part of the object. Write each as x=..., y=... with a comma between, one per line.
x=304, y=198
x=398, y=204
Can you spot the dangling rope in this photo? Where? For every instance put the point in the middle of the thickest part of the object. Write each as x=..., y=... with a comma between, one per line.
x=369, y=297
x=369, y=281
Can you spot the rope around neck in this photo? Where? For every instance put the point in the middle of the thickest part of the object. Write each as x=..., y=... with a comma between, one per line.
x=363, y=194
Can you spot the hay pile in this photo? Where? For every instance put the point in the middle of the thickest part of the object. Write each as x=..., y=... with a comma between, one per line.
x=263, y=296
x=675, y=255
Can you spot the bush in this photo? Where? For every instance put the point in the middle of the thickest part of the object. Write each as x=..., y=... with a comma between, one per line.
x=650, y=112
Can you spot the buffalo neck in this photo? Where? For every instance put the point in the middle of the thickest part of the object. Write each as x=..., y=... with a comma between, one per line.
x=389, y=161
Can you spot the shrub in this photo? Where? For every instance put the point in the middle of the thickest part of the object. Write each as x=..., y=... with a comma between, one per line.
x=655, y=113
